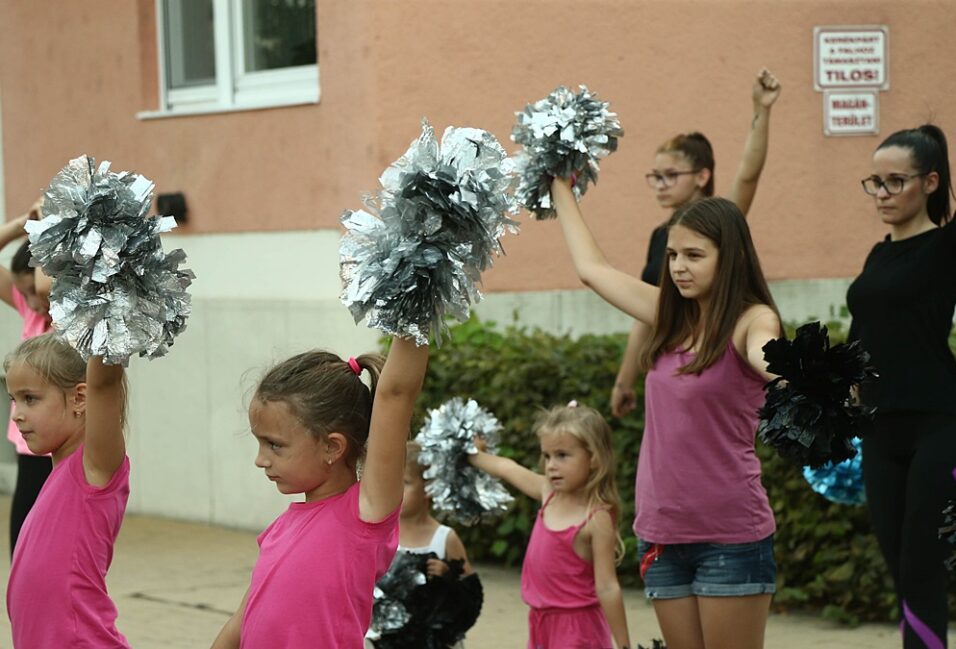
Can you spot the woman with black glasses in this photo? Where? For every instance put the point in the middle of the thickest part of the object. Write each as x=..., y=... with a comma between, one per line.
x=683, y=172
x=902, y=305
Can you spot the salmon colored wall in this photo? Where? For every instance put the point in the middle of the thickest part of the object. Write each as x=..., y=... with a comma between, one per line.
x=74, y=75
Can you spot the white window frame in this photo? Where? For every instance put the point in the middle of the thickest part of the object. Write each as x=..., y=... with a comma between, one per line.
x=234, y=89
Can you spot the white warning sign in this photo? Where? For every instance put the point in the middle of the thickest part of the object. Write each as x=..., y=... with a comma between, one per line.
x=851, y=57
x=851, y=112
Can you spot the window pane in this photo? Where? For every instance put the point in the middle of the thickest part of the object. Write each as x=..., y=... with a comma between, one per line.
x=190, y=43
x=279, y=34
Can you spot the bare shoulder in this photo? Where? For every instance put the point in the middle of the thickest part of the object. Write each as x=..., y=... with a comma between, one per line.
x=601, y=525
x=454, y=548
x=756, y=317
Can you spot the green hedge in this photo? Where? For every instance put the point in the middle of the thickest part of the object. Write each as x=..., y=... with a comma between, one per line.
x=827, y=557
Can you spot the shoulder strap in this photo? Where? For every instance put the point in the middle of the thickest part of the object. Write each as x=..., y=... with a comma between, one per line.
x=594, y=511
x=546, y=501
x=439, y=539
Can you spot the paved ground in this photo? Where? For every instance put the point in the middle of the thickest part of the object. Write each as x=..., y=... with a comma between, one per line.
x=175, y=583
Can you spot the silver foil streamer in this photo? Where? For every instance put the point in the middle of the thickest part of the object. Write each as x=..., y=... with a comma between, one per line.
x=416, y=256
x=456, y=488
x=115, y=292
x=564, y=134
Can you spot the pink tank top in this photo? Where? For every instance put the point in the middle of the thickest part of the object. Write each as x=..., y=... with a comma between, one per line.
x=698, y=475
x=312, y=584
x=34, y=324
x=56, y=595
x=553, y=575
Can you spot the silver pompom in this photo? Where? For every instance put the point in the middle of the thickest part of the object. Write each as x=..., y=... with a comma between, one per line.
x=447, y=438
x=417, y=254
x=564, y=135
x=115, y=292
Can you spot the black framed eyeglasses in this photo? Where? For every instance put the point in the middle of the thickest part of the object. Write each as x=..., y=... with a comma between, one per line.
x=893, y=185
x=665, y=178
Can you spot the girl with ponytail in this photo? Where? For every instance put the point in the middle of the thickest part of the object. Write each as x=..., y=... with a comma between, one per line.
x=902, y=305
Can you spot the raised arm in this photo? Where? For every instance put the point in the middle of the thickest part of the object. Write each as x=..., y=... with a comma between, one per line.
x=104, y=447
x=627, y=293
x=398, y=387
x=42, y=282
x=603, y=546
x=9, y=231
x=531, y=484
x=766, y=89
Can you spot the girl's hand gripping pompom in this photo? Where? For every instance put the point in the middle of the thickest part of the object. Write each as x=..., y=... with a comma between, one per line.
x=456, y=488
x=417, y=255
x=564, y=135
x=809, y=416
x=115, y=292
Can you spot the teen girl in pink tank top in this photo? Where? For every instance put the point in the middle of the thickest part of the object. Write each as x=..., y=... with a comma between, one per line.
x=703, y=517
x=569, y=577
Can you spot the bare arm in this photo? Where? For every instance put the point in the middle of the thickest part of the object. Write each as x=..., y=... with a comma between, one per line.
x=524, y=480
x=627, y=293
x=9, y=231
x=623, y=398
x=603, y=546
x=380, y=491
x=764, y=325
x=766, y=89
x=455, y=550
x=42, y=282
x=230, y=635
x=104, y=447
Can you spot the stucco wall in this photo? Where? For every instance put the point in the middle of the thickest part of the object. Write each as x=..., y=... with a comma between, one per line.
x=75, y=75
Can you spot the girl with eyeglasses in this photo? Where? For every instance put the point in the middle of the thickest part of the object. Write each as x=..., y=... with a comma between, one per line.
x=902, y=305
x=684, y=171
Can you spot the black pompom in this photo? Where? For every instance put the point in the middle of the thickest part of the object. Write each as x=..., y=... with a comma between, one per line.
x=808, y=416
x=438, y=611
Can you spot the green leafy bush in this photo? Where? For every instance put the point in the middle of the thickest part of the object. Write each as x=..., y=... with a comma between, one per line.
x=827, y=557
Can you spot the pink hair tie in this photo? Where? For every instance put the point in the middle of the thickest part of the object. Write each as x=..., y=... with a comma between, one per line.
x=355, y=366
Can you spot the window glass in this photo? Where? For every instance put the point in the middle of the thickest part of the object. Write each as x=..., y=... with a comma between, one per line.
x=278, y=34
x=190, y=43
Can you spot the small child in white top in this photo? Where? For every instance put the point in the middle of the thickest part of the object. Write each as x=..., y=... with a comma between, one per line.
x=459, y=597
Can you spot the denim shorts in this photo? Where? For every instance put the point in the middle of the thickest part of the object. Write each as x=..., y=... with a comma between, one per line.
x=710, y=569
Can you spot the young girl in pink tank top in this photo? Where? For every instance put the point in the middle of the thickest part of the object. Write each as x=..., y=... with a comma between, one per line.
x=702, y=516
x=569, y=576
x=312, y=416
x=73, y=410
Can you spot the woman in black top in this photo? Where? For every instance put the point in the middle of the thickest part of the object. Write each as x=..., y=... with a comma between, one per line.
x=902, y=306
x=683, y=172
